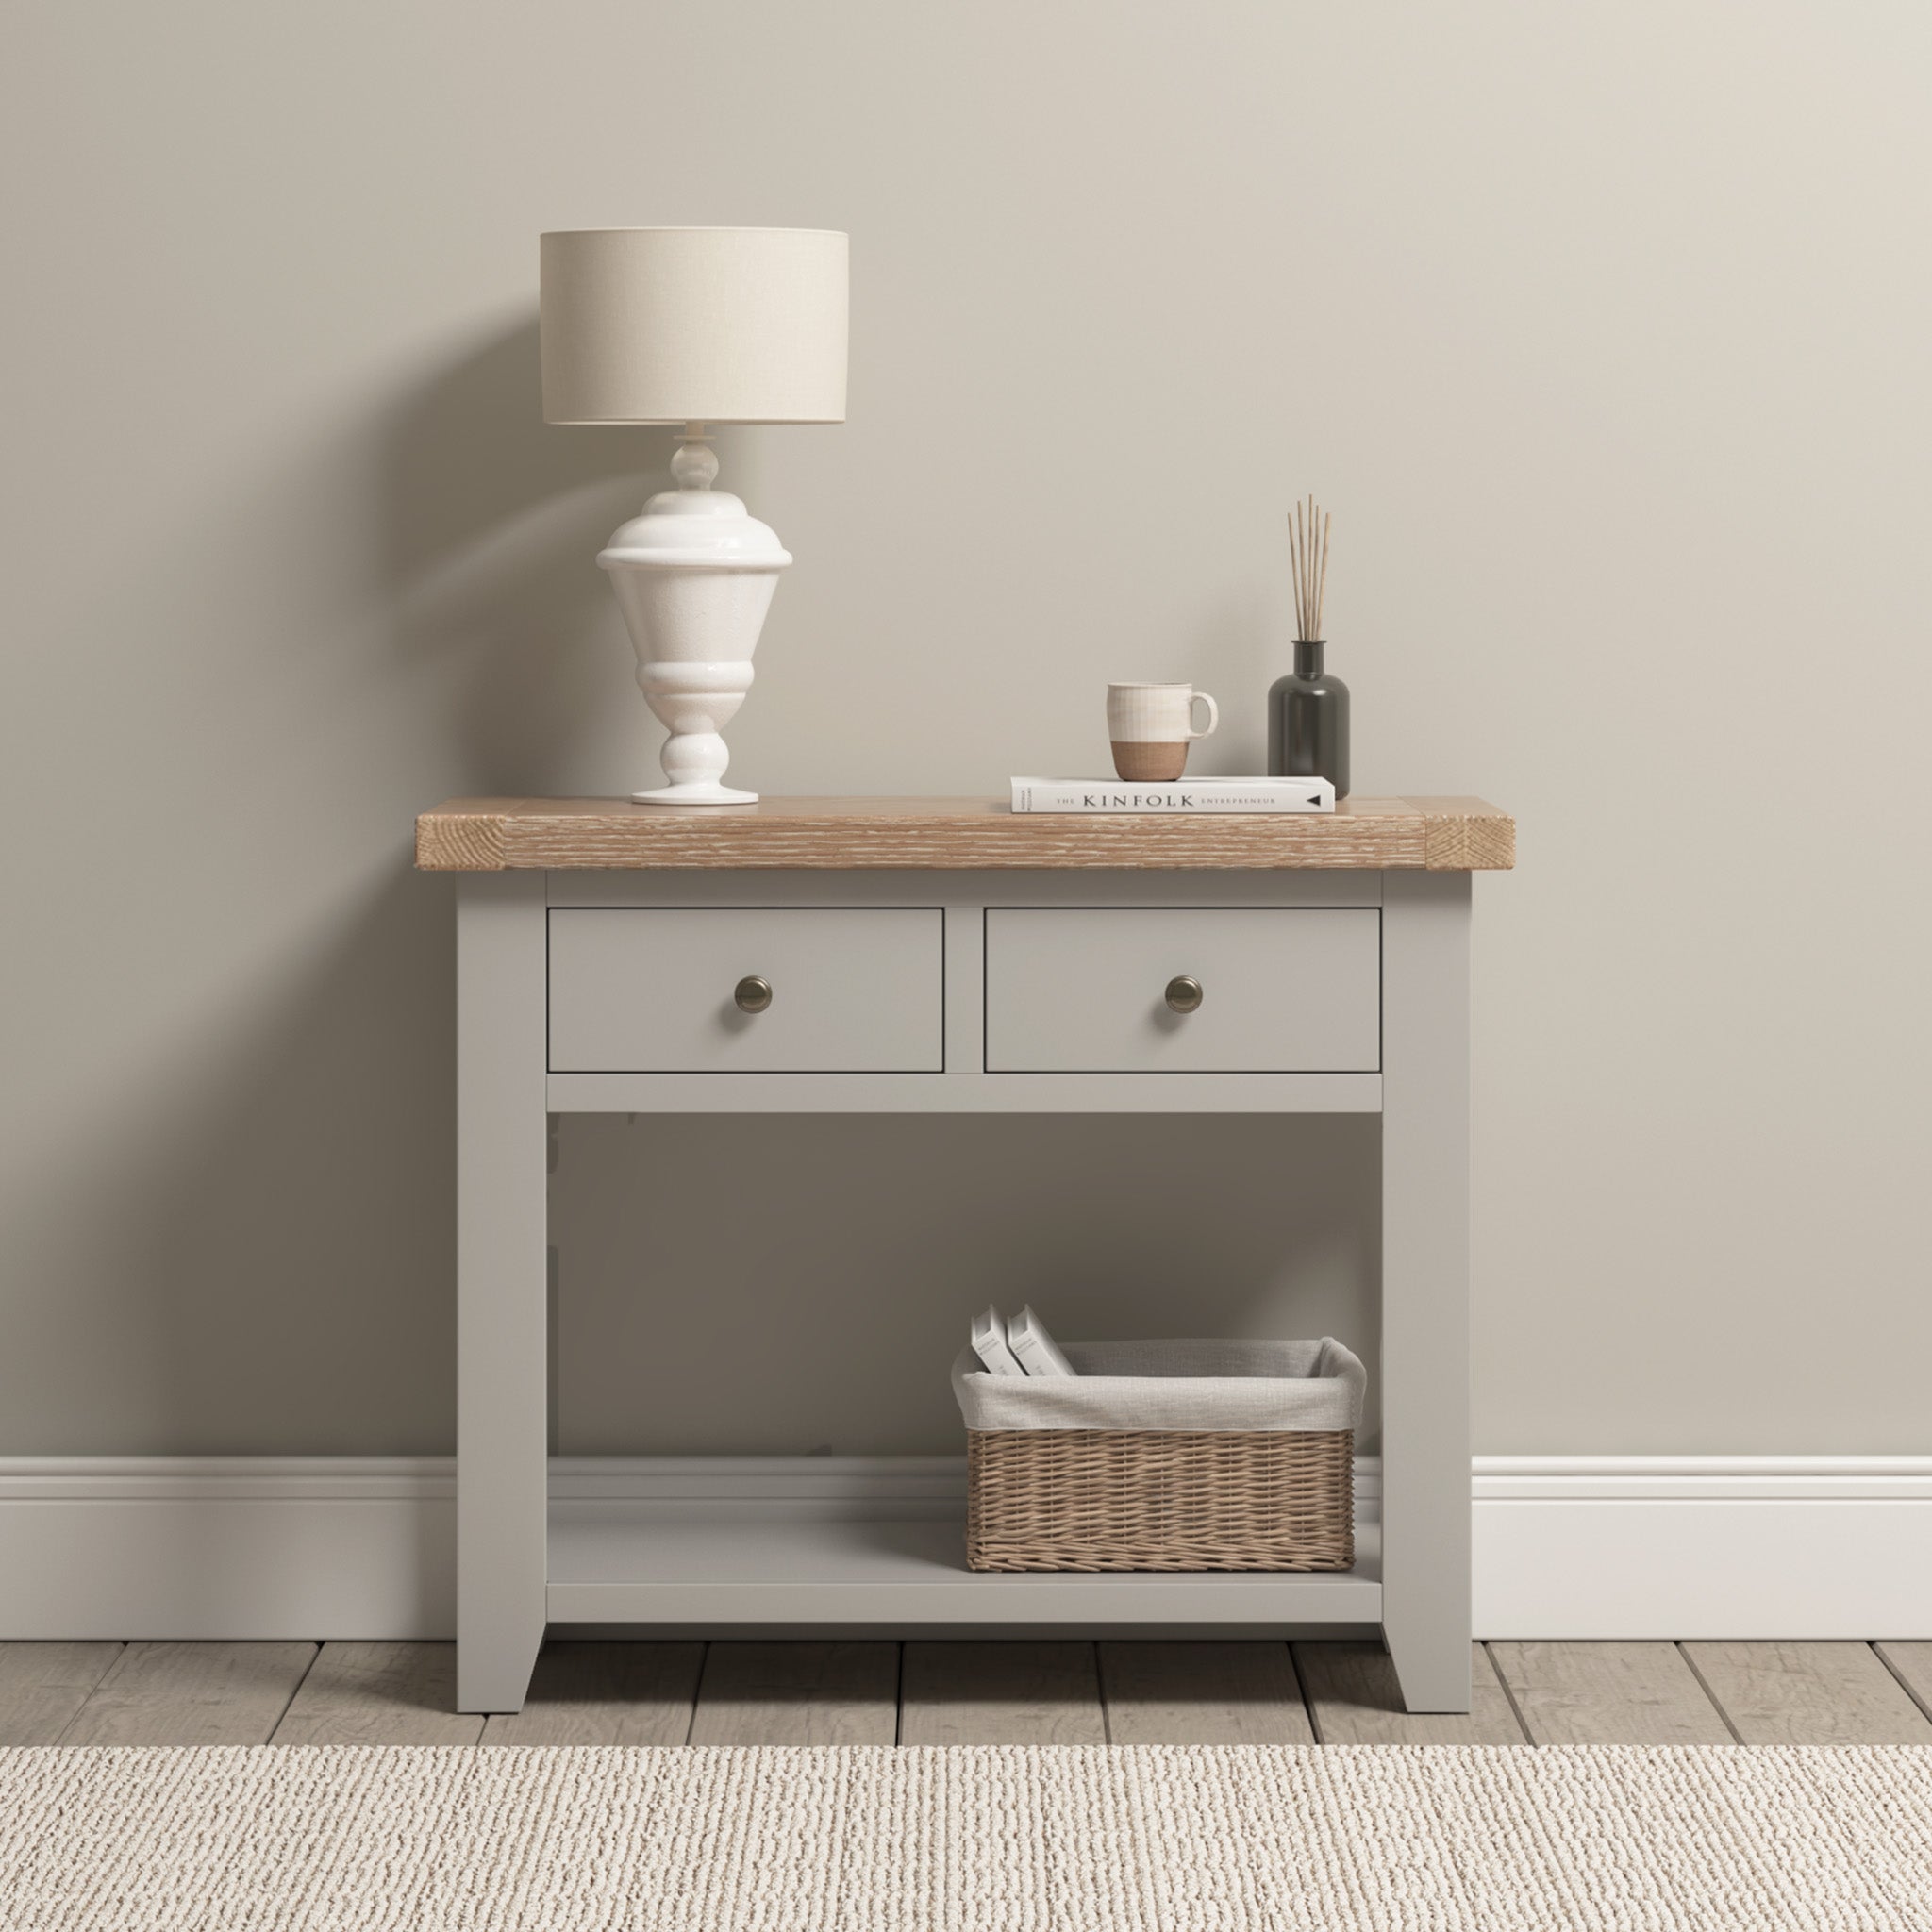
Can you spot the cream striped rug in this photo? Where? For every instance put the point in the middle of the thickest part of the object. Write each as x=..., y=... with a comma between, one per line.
x=928, y=1840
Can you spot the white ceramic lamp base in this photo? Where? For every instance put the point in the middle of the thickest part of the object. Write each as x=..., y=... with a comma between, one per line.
x=695, y=702
x=694, y=576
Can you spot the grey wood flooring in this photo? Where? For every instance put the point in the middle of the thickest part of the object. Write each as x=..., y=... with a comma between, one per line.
x=965, y=1693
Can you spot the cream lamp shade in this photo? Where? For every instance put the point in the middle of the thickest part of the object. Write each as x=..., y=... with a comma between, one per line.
x=693, y=325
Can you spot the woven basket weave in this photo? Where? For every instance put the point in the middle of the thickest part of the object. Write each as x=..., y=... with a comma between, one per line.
x=1160, y=1499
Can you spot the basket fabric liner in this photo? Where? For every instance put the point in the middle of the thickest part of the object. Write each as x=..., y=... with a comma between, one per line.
x=1208, y=1386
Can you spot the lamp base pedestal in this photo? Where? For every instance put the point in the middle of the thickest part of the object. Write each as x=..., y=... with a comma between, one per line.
x=694, y=576
x=695, y=701
x=703, y=792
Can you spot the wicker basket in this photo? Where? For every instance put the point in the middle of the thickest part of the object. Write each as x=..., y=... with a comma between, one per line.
x=1051, y=1496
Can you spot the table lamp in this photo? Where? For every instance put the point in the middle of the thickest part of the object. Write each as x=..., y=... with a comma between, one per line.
x=694, y=327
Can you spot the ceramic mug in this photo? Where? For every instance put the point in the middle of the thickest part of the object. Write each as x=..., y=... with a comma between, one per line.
x=1151, y=726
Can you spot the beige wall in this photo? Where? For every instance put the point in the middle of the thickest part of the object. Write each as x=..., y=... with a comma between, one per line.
x=1605, y=331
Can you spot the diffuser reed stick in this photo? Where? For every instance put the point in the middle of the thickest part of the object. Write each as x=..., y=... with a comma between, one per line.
x=1307, y=544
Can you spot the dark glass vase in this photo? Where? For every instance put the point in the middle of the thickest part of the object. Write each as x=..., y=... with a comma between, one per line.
x=1307, y=721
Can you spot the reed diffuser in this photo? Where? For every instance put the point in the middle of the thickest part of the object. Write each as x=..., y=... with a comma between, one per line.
x=1307, y=711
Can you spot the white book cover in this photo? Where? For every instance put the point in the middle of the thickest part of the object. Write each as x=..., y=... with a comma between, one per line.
x=1184, y=795
x=1038, y=1353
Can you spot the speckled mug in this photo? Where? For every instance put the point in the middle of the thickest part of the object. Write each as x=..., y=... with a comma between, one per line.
x=1151, y=726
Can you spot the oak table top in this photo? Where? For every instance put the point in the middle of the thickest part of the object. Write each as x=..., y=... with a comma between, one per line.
x=955, y=834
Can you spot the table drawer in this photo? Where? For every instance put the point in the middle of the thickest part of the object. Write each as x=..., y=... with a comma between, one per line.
x=854, y=989
x=1282, y=990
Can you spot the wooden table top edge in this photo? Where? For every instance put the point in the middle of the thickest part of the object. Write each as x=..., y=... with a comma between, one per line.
x=917, y=834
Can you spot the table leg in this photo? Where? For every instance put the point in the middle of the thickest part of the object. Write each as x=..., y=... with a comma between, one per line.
x=1425, y=1493
x=502, y=1315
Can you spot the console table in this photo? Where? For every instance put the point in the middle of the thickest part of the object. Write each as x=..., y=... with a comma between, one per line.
x=934, y=955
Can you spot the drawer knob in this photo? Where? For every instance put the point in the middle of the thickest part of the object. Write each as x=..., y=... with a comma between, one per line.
x=752, y=995
x=1184, y=995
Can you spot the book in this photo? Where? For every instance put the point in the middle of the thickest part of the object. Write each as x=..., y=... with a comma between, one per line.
x=988, y=1340
x=1184, y=795
x=1038, y=1352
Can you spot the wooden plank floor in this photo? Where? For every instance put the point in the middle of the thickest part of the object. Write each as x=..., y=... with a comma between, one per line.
x=965, y=1693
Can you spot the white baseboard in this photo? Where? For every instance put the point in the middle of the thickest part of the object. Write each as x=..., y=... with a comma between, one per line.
x=323, y=1547
x=232, y=1546
x=1713, y=1546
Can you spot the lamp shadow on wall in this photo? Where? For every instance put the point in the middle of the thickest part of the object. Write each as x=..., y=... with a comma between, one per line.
x=490, y=521
x=286, y=1211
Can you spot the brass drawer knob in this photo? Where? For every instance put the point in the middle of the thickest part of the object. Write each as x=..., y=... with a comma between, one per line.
x=752, y=994
x=1184, y=995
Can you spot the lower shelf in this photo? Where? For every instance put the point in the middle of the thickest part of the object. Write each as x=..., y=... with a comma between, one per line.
x=616, y=1563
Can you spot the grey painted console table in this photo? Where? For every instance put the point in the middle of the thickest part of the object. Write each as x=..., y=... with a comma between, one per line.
x=923, y=955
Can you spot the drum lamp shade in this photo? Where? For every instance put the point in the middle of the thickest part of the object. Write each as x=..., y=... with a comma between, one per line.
x=694, y=325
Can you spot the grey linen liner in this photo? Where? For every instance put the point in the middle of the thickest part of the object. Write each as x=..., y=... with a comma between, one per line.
x=1208, y=1386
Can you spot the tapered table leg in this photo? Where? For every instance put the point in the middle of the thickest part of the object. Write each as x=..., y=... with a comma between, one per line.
x=502, y=1322
x=1425, y=1493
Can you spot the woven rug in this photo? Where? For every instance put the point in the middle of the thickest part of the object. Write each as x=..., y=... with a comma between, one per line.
x=931, y=1840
